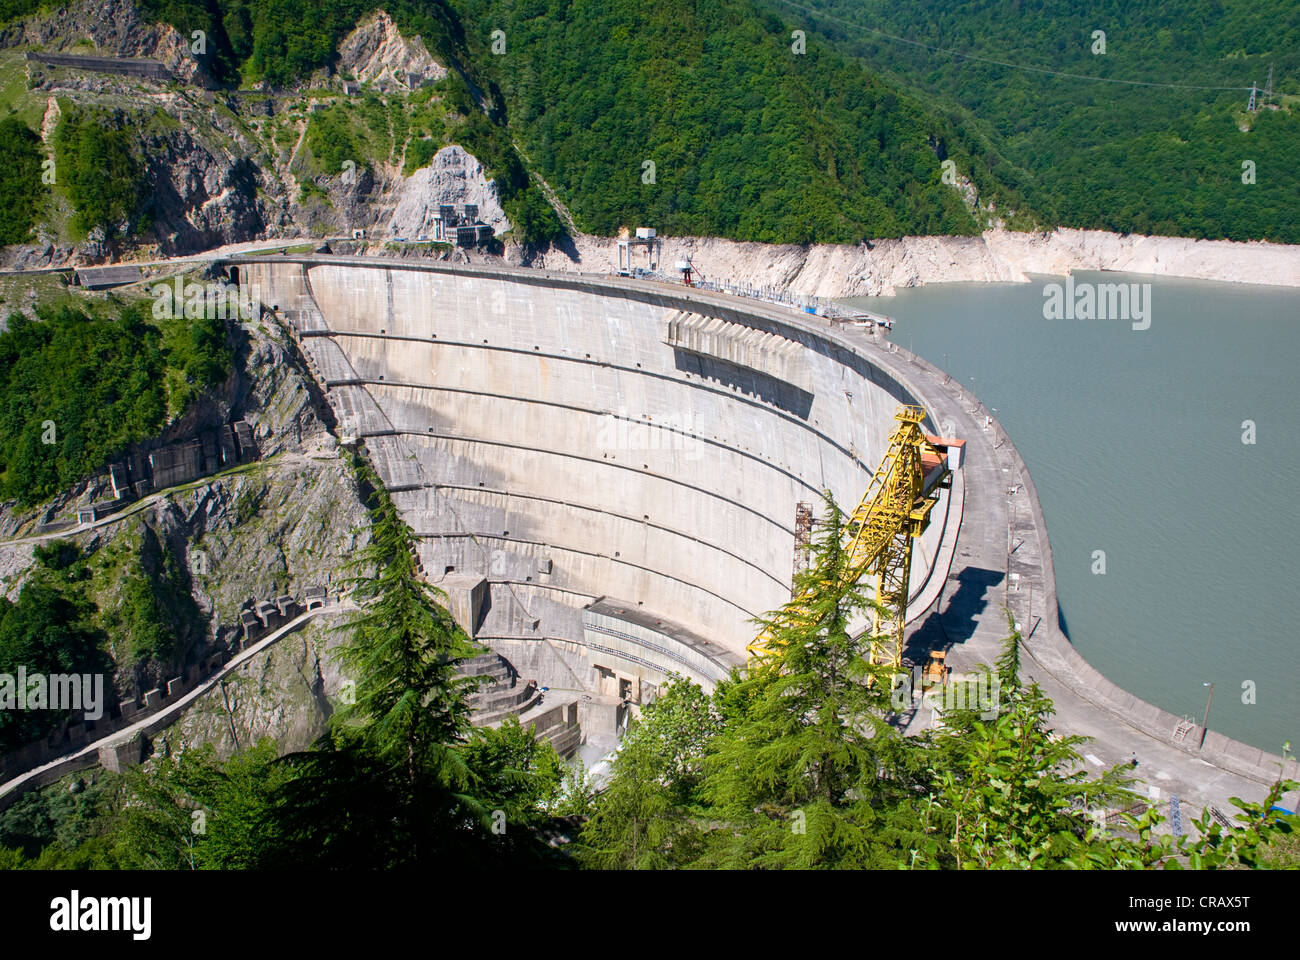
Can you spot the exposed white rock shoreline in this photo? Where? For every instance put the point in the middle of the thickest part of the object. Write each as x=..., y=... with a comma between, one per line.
x=883, y=266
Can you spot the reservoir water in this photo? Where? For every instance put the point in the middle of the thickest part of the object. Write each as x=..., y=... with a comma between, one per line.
x=1138, y=442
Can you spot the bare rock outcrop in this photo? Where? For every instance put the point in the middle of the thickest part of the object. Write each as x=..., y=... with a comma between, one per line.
x=377, y=54
x=202, y=196
x=452, y=176
x=881, y=267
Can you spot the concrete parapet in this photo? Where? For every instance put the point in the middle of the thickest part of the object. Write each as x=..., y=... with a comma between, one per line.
x=117, y=757
x=46, y=777
x=251, y=626
x=97, y=744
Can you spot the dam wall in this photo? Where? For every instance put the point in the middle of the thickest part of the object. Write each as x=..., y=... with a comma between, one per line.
x=571, y=438
x=621, y=461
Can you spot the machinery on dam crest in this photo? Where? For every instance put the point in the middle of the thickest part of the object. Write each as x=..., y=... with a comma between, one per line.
x=893, y=512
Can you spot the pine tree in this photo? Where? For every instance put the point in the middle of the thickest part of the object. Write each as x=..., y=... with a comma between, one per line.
x=637, y=824
x=389, y=783
x=646, y=819
x=798, y=771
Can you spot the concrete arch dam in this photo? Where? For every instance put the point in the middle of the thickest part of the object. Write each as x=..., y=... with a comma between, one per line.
x=607, y=470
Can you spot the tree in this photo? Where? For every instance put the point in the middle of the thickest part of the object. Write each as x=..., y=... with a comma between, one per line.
x=644, y=820
x=514, y=772
x=20, y=180
x=99, y=170
x=1265, y=838
x=637, y=825
x=388, y=783
x=809, y=756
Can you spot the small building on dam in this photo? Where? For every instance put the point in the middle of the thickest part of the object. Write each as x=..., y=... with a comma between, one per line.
x=604, y=474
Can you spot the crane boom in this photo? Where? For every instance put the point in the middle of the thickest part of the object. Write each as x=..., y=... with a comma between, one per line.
x=894, y=510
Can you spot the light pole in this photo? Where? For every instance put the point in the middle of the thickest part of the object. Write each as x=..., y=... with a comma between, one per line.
x=1204, y=728
x=1286, y=748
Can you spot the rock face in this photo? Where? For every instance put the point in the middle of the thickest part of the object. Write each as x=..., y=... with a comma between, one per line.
x=203, y=196
x=116, y=29
x=880, y=268
x=452, y=176
x=292, y=520
x=287, y=694
x=226, y=168
x=377, y=54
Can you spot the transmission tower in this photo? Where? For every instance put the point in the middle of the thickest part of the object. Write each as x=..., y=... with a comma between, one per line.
x=1268, y=87
x=1251, y=106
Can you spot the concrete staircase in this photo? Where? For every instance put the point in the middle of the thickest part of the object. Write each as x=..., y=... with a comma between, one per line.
x=505, y=695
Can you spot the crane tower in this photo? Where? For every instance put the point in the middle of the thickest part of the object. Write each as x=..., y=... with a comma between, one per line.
x=893, y=512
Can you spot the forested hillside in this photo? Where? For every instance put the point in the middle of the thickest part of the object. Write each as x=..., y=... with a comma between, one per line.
x=720, y=117
x=696, y=117
x=78, y=388
x=1162, y=154
x=746, y=138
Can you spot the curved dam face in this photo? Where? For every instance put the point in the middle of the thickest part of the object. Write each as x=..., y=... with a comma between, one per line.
x=611, y=467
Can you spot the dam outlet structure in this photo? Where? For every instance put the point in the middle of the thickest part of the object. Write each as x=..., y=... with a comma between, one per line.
x=604, y=475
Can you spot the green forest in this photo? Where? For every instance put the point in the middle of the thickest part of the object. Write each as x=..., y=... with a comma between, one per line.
x=747, y=138
x=1150, y=156
x=21, y=189
x=78, y=388
x=50, y=628
x=701, y=118
x=95, y=155
x=795, y=766
x=123, y=609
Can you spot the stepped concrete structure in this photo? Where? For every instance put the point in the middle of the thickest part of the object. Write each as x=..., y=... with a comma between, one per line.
x=604, y=474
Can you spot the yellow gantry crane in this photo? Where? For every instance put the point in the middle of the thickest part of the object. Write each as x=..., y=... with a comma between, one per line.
x=894, y=511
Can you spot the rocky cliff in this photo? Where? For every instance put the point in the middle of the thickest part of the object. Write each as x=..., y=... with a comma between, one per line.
x=882, y=267
x=293, y=519
x=225, y=167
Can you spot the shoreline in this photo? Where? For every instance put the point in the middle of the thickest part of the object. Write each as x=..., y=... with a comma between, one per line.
x=882, y=267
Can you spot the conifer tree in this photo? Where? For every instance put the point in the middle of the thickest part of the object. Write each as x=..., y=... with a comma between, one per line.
x=389, y=783
x=797, y=773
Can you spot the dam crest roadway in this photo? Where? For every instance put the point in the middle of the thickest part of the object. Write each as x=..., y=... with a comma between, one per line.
x=603, y=476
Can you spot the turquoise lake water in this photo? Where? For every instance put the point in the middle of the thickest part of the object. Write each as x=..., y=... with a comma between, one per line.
x=1134, y=439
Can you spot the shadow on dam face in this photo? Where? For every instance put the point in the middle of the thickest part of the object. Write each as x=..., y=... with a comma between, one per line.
x=545, y=434
x=766, y=388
